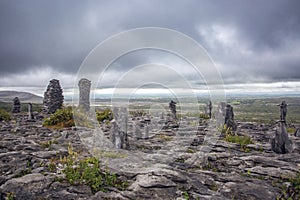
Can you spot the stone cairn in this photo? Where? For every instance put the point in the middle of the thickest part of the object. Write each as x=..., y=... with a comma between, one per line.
x=84, y=93
x=283, y=111
x=53, y=97
x=172, y=106
x=281, y=143
x=16, y=105
x=118, y=132
x=229, y=118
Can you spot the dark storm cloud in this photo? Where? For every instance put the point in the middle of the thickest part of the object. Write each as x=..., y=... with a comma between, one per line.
x=259, y=40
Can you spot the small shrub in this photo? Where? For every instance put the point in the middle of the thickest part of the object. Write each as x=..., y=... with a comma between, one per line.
x=86, y=172
x=63, y=118
x=4, y=116
x=104, y=115
x=295, y=188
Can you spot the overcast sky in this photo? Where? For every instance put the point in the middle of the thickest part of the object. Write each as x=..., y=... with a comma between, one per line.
x=249, y=41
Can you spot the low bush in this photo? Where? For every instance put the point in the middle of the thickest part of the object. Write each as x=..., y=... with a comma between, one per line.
x=4, y=116
x=61, y=118
x=105, y=115
x=86, y=172
x=64, y=117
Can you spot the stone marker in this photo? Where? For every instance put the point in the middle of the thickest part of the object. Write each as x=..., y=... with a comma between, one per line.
x=137, y=131
x=16, y=105
x=229, y=118
x=30, y=114
x=118, y=132
x=209, y=108
x=53, y=97
x=283, y=111
x=84, y=93
x=281, y=142
x=172, y=106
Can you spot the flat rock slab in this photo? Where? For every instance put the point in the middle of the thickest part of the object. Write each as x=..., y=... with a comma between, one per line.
x=27, y=187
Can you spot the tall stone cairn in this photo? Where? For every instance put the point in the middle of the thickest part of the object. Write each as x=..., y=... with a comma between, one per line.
x=229, y=117
x=172, y=106
x=53, y=97
x=84, y=93
x=281, y=143
x=16, y=105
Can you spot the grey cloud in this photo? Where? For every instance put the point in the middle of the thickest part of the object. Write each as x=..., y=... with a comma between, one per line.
x=60, y=34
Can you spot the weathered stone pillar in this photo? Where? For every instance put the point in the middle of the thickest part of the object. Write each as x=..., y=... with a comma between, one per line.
x=281, y=143
x=84, y=93
x=118, y=134
x=30, y=114
x=209, y=108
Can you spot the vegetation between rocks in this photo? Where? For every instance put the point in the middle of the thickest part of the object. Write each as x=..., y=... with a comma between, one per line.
x=237, y=139
x=64, y=118
x=86, y=172
x=105, y=115
x=4, y=116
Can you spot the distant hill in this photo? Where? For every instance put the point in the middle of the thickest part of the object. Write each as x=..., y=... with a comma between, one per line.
x=8, y=96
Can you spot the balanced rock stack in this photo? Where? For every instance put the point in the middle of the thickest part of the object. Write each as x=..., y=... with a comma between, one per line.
x=281, y=142
x=84, y=93
x=229, y=117
x=53, y=97
x=172, y=106
x=16, y=105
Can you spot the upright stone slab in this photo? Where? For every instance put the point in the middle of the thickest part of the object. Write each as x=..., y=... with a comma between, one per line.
x=84, y=93
x=53, y=97
x=209, y=108
x=281, y=143
x=16, y=105
x=30, y=114
x=118, y=133
x=172, y=106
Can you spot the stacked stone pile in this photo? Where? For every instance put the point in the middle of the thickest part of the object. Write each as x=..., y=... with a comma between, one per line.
x=53, y=97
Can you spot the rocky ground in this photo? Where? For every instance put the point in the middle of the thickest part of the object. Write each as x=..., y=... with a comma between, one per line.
x=165, y=165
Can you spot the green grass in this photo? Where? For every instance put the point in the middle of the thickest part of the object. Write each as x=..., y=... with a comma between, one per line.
x=291, y=130
x=165, y=137
x=241, y=140
x=4, y=116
